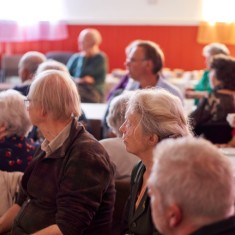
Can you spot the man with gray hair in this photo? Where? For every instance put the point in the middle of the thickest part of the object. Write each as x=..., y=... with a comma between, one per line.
x=27, y=68
x=192, y=189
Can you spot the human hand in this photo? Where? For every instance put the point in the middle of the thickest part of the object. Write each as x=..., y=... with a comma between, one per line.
x=231, y=119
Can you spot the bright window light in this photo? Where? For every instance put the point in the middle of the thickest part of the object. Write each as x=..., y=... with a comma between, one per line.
x=218, y=11
x=31, y=11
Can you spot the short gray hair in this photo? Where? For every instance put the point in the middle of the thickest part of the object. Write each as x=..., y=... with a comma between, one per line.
x=94, y=34
x=161, y=113
x=56, y=93
x=31, y=60
x=51, y=64
x=14, y=115
x=117, y=111
x=194, y=174
x=215, y=49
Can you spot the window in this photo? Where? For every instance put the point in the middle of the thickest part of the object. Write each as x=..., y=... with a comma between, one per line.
x=218, y=23
x=29, y=20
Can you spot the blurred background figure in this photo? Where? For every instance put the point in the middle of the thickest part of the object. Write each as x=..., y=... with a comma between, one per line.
x=16, y=150
x=118, y=89
x=9, y=184
x=192, y=189
x=214, y=108
x=203, y=87
x=144, y=63
x=123, y=160
x=27, y=67
x=152, y=115
x=89, y=67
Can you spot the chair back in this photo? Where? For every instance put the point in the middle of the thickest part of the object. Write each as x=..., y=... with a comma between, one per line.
x=122, y=194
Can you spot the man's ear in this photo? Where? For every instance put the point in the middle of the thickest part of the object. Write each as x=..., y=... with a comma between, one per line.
x=153, y=139
x=174, y=216
x=149, y=65
x=43, y=112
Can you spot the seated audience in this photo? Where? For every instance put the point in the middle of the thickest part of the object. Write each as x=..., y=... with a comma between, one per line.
x=16, y=150
x=220, y=102
x=89, y=66
x=152, y=115
x=123, y=160
x=26, y=69
x=60, y=189
x=192, y=189
x=9, y=184
x=144, y=63
x=203, y=87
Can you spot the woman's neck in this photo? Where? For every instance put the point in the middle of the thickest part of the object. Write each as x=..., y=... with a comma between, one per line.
x=92, y=51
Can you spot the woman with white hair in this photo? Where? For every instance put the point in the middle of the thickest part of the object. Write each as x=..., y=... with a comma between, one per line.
x=123, y=160
x=69, y=186
x=152, y=115
x=16, y=150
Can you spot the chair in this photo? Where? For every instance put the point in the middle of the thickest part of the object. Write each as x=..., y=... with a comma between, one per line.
x=61, y=56
x=216, y=132
x=9, y=66
x=122, y=193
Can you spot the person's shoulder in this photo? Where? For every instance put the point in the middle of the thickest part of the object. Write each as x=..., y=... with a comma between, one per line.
x=75, y=56
x=101, y=56
x=170, y=87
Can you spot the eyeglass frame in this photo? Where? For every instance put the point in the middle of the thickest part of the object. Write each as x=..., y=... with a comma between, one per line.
x=133, y=60
x=27, y=102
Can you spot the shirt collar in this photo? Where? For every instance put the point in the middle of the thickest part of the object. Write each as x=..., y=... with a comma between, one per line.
x=57, y=142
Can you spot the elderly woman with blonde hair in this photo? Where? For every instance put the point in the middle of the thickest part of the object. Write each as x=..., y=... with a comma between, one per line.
x=69, y=186
x=16, y=150
x=152, y=115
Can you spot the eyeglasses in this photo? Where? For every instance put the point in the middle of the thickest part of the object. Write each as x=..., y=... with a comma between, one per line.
x=27, y=102
x=133, y=60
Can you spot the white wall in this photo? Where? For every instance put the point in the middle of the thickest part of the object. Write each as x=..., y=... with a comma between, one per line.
x=157, y=12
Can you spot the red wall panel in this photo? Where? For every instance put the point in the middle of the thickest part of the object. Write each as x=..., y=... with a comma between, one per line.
x=179, y=44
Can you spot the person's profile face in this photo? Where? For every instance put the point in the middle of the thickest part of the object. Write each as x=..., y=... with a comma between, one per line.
x=135, y=63
x=133, y=135
x=212, y=78
x=208, y=59
x=85, y=41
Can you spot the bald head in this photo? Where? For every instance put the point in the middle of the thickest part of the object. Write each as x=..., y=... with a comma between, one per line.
x=89, y=38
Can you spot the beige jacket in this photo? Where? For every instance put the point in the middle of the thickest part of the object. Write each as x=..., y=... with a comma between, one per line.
x=9, y=185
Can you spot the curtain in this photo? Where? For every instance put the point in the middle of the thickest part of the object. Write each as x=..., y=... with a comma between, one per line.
x=217, y=32
x=12, y=31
